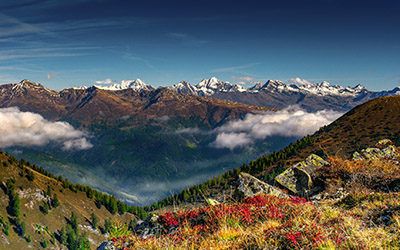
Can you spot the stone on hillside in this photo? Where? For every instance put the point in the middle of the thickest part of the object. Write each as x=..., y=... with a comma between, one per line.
x=337, y=196
x=384, y=150
x=390, y=152
x=299, y=178
x=107, y=245
x=357, y=156
x=212, y=202
x=384, y=143
x=251, y=186
x=149, y=227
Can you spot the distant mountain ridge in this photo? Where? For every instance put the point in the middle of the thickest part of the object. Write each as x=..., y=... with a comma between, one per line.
x=213, y=85
x=272, y=93
x=108, y=104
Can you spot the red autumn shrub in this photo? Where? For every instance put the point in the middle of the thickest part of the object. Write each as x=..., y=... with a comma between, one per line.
x=168, y=219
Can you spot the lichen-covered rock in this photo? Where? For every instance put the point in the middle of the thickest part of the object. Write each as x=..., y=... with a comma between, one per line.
x=299, y=178
x=337, y=196
x=384, y=150
x=357, y=156
x=251, y=186
x=390, y=152
x=384, y=143
x=212, y=202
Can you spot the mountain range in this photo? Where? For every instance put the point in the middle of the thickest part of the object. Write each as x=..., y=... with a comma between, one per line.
x=273, y=93
x=142, y=143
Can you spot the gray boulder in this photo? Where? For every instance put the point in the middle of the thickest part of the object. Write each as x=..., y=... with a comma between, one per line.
x=107, y=245
x=384, y=150
x=299, y=178
x=251, y=186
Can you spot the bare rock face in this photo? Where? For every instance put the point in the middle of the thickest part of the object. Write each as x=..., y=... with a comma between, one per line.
x=384, y=149
x=299, y=178
x=251, y=186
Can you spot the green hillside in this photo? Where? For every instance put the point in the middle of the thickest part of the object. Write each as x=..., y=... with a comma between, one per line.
x=38, y=210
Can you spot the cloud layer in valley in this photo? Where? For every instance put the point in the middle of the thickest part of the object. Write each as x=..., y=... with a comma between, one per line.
x=30, y=129
x=291, y=121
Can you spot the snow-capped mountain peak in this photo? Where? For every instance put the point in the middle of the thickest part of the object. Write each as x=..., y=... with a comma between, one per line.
x=325, y=88
x=27, y=84
x=213, y=85
x=136, y=85
x=321, y=89
x=274, y=86
x=184, y=87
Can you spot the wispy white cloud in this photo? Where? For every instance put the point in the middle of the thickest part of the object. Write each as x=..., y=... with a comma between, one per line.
x=291, y=121
x=107, y=81
x=51, y=75
x=139, y=59
x=300, y=81
x=194, y=130
x=10, y=26
x=236, y=68
x=232, y=140
x=187, y=39
x=40, y=5
x=30, y=53
x=245, y=80
x=30, y=129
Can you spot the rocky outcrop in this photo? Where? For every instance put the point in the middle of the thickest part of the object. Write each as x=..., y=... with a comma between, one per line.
x=107, y=245
x=251, y=186
x=149, y=227
x=299, y=178
x=384, y=149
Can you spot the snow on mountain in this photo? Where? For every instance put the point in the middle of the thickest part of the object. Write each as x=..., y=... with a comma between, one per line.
x=212, y=85
x=184, y=87
x=27, y=84
x=136, y=85
x=207, y=87
x=325, y=88
x=275, y=86
x=322, y=89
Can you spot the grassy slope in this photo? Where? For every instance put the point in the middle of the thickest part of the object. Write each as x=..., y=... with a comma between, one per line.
x=29, y=192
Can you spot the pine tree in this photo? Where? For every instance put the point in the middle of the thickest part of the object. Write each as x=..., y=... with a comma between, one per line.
x=55, y=202
x=94, y=220
x=15, y=205
x=73, y=221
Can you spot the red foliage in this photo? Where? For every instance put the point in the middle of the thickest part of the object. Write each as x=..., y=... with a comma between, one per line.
x=275, y=213
x=207, y=220
x=298, y=200
x=168, y=219
x=259, y=200
x=293, y=237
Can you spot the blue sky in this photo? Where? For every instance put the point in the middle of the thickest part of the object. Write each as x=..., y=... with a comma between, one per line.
x=69, y=43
